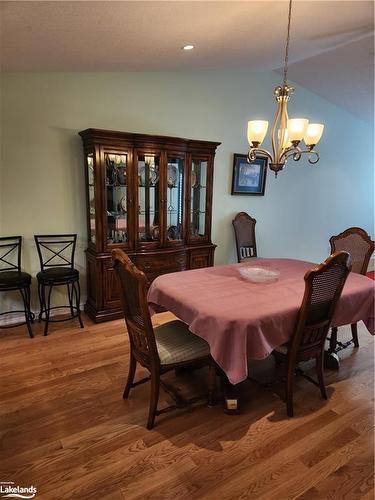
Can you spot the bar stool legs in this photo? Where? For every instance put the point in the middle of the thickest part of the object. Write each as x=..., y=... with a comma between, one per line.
x=77, y=290
x=29, y=316
x=74, y=292
x=47, y=309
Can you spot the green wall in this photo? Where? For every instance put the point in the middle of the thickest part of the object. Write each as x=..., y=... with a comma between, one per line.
x=42, y=186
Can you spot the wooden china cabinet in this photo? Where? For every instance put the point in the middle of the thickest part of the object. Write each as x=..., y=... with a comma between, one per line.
x=150, y=195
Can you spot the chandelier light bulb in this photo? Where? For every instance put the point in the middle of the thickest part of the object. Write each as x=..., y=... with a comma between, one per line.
x=297, y=128
x=313, y=134
x=256, y=131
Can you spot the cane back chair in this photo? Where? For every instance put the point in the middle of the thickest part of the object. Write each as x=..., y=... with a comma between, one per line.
x=360, y=246
x=56, y=256
x=244, y=231
x=323, y=287
x=12, y=278
x=159, y=349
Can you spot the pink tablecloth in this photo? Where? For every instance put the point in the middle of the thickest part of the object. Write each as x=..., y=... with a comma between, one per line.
x=240, y=319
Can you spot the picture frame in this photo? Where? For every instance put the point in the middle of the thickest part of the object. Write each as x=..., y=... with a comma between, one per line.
x=249, y=178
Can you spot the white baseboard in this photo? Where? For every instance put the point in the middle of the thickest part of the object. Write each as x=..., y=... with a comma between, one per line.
x=11, y=318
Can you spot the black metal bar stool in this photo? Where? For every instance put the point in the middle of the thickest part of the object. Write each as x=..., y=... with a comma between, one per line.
x=56, y=255
x=12, y=278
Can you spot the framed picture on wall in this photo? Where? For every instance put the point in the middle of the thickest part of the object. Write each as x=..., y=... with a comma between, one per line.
x=249, y=178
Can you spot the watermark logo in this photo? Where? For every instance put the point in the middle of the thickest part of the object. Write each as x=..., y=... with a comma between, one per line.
x=8, y=489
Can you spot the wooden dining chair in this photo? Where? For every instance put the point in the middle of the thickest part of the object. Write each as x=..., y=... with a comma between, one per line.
x=323, y=287
x=360, y=246
x=159, y=349
x=244, y=231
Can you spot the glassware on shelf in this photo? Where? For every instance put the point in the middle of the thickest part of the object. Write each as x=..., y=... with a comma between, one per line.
x=175, y=198
x=110, y=169
x=91, y=189
x=193, y=178
x=198, y=198
x=117, y=236
x=172, y=175
x=90, y=170
x=121, y=205
x=116, y=169
x=148, y=198
x=148, y=176
x=116, y=197
x=174, y=233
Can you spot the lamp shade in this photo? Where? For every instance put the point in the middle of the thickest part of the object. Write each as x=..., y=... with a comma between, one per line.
x=256, y=131
x=313, y=134
x=297, y=128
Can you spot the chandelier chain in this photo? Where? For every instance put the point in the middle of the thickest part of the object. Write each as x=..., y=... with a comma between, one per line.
x=285, y=80
x=286, y=134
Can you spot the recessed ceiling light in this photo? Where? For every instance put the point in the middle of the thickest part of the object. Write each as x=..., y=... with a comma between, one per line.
x=188, y=47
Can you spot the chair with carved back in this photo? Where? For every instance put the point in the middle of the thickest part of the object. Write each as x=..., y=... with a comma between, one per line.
x=244, y=230
x=360, y=246
x=12, y=278
x=323, y=287
x=158, y=349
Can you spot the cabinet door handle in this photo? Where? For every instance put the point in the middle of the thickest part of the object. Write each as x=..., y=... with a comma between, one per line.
x=147, y=267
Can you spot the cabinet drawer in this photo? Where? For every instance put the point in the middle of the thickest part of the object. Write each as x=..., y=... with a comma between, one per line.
x=200, y=258
x=153, y=266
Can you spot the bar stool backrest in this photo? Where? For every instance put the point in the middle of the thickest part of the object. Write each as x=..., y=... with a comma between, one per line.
x=10, y=253
x=56, y=250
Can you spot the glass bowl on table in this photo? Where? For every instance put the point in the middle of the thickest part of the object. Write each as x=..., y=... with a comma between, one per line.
x=259, y=274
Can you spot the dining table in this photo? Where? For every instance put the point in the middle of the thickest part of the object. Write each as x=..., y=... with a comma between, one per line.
x=242, y=320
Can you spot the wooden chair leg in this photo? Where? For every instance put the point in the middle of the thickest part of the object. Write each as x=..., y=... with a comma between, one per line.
x=211, y=383
x=333, y=339
x=320, y=375
x=355, y=334
x=131, y=374
x=155, y=386
x=289, y=391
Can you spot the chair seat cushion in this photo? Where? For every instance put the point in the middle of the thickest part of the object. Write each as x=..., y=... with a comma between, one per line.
x=56, y=274
x=14, y=278
x=282, y=349
x=177, y=344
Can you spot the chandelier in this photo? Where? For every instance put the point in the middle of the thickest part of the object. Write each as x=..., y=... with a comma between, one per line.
x=286, y=133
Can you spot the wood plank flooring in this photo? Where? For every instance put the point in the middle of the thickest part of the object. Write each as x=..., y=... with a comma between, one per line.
x=65, y=428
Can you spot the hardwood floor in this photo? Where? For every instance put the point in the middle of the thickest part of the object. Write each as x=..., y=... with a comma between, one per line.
x=66, y=430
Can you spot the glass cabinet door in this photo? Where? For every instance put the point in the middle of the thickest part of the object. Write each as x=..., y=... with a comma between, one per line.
x=116, y=169
x=148, y=198
x=91, y=197
x=198, y=198
x=175, y=199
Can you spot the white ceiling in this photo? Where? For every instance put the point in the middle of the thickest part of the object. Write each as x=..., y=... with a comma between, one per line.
x=148, y=35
